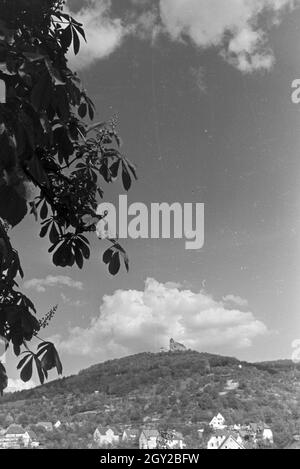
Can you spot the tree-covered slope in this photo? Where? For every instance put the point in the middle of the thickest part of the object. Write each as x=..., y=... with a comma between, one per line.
x=180, y=390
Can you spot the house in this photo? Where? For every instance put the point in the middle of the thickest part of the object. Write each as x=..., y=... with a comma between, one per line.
x=267, y=434
x=217, y=439
x=46, y=426
x=16, y=437
x=130, y=434
x=106, y=436
x=261, y=431
x=176, y=442
x=148, y=439
x=231, y=443
x=218, y=422
x=225, y=440
x=33, y=442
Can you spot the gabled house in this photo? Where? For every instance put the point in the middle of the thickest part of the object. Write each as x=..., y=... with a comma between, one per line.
x=216, y=440
x=107, y=436
x=231, y=443
x=267, y=434
x=16, y=437
x=33, y=442
x=225, y=440
x=217, y=422
x=148, y=439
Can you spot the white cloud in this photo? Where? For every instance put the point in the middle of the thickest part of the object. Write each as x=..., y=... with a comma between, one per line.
x=68, y=301
x=15, y=385
x=237, y=300
x=146, y=25
x=103, y=33
x=133, y=321
x=40, y=284
x=230, y=25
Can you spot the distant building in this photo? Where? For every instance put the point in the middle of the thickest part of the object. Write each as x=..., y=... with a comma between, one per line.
x=261, y=431
x=217, y=422
x=176, y=346
x=33, y=443
x=267, y=434
x=176, y=442
x=48, y=426
x=16, y=437
x=231, y=443
x=225, y=440
x=106, y=436
x=130, y=434
x=148, y=439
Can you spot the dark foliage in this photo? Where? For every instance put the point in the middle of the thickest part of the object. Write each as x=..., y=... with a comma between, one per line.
x=45, y=142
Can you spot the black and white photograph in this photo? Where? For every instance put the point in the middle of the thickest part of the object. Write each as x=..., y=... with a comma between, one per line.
x=149, y=228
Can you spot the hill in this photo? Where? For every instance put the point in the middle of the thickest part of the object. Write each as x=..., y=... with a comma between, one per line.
x=181, y=390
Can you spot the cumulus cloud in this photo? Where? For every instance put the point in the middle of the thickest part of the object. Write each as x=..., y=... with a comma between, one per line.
x=15, y=385
x=132, y=321
x=231, y=26
x=146, y=25
x=41, y=284
x=104, y=34
x=70, y=302
x=235, y=299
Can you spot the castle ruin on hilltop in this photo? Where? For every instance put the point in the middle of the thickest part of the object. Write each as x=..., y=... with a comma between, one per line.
x=176, y=346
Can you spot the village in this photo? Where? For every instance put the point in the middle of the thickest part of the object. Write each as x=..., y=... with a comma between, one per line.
x=214, y=435
x=137, y=420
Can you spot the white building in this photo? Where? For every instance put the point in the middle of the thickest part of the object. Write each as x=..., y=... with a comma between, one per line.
x=218, y=422
x=16, y=437
x=148, y=439
x=231, y=443
x=267, y=434
x=106, y=436
x=225, y=440
x=176, y=442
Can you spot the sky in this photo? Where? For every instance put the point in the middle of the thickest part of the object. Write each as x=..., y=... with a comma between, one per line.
x=202, y=91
